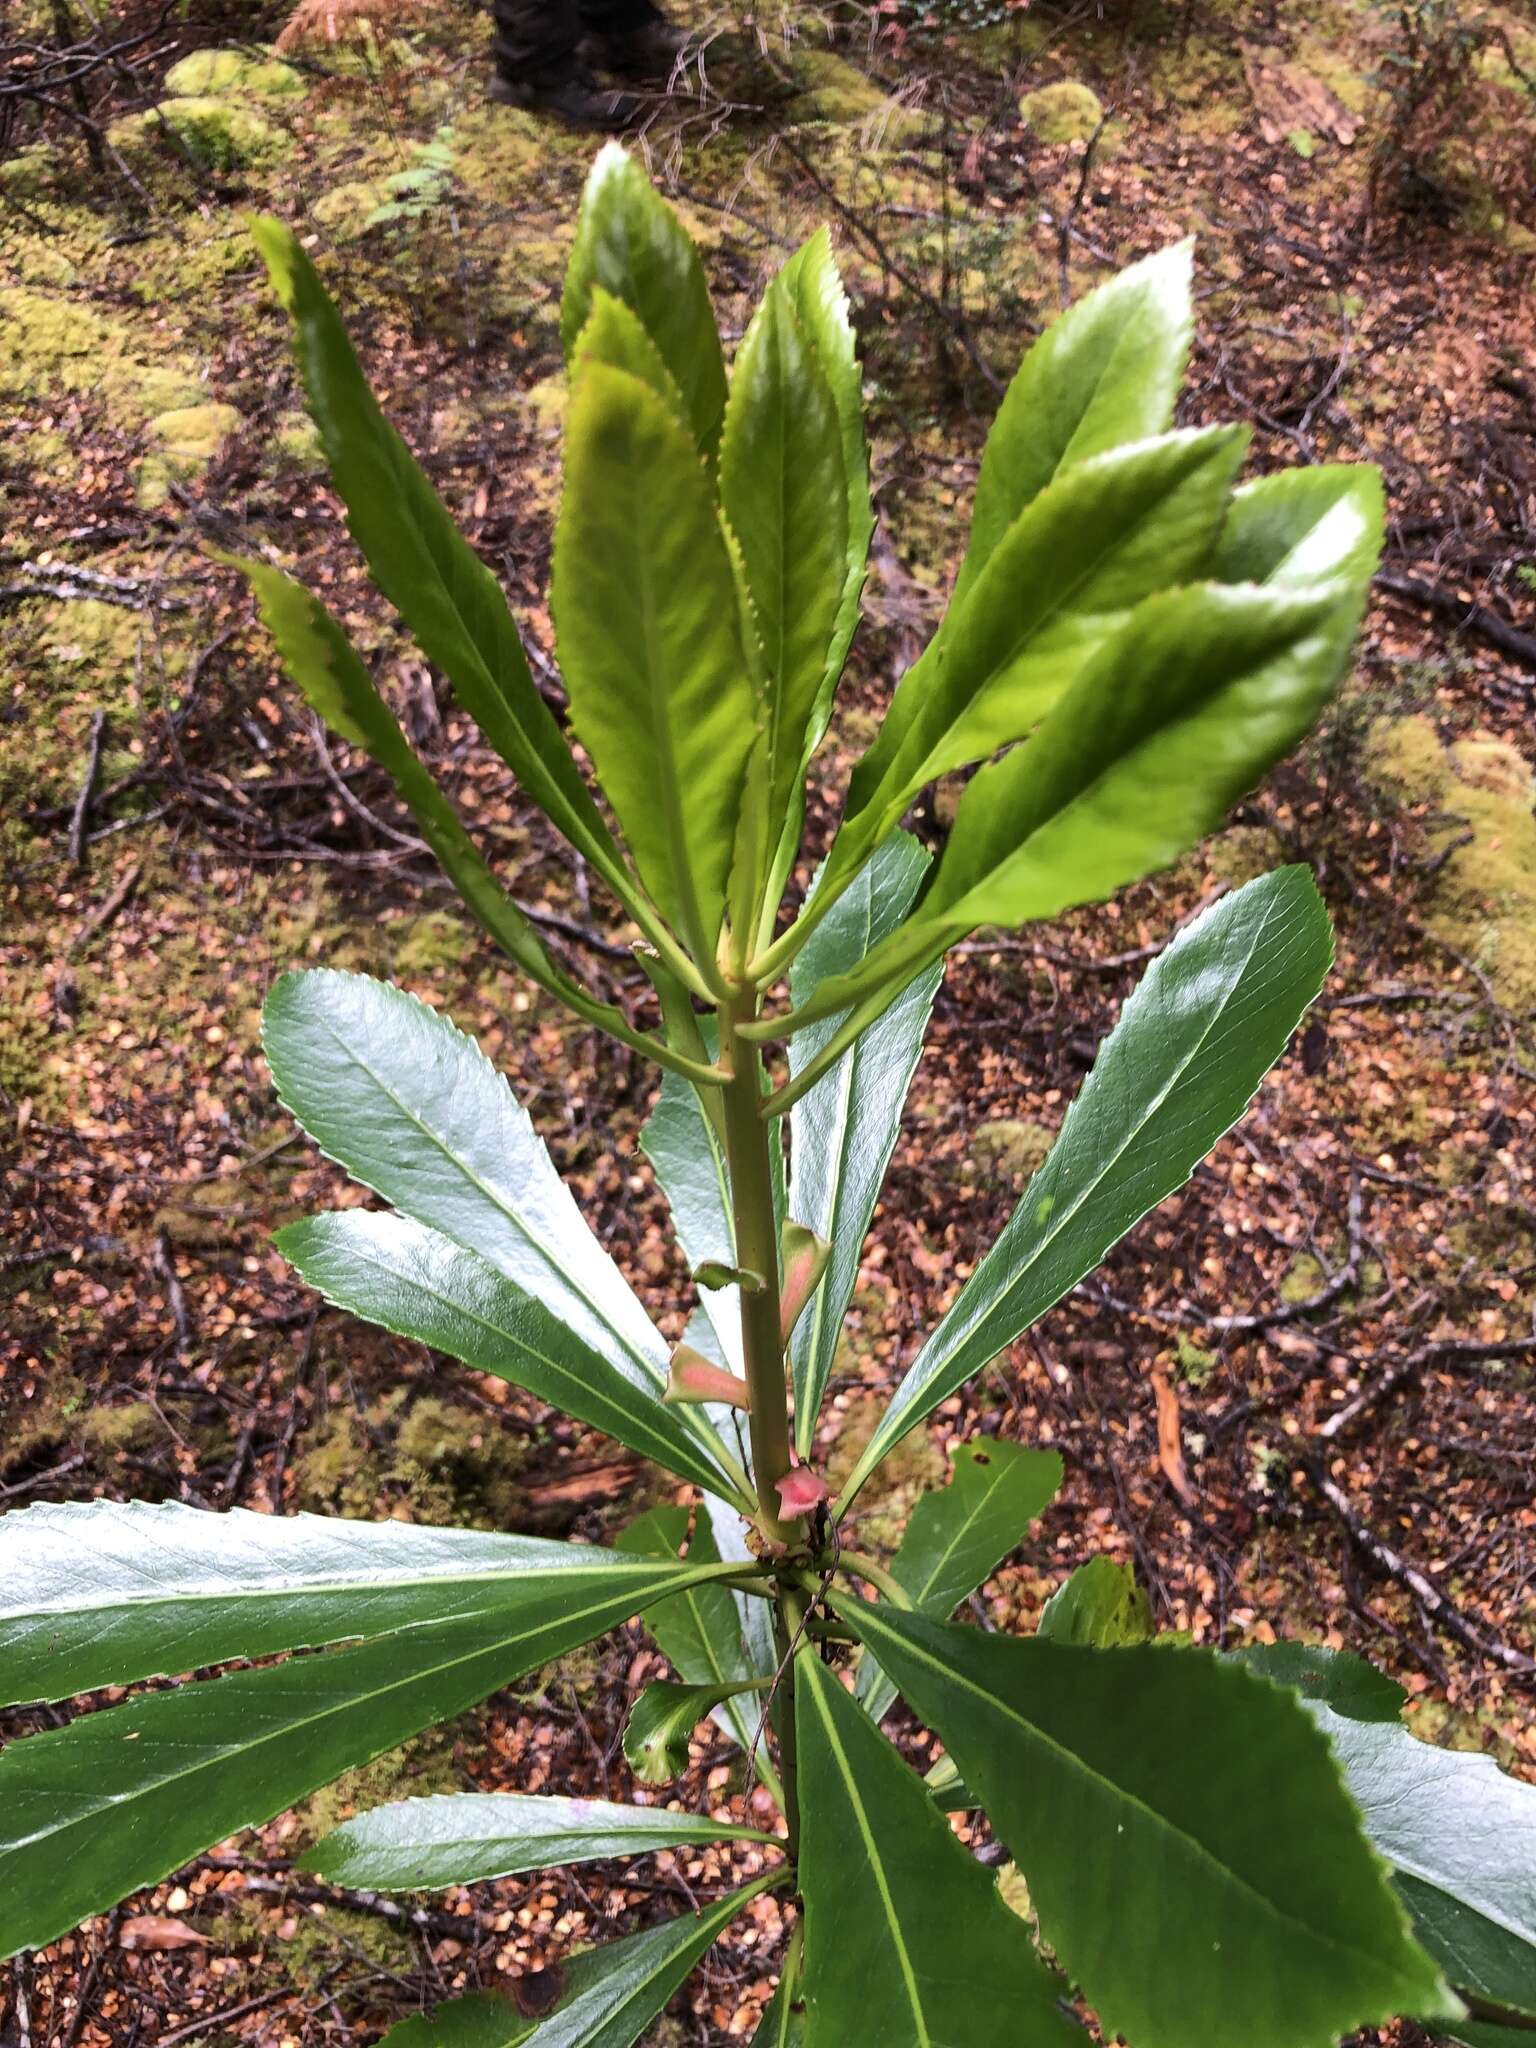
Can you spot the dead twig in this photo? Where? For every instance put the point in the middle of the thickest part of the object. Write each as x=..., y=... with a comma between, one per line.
x=80, y=817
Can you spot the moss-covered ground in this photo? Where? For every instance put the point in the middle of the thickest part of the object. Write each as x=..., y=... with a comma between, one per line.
x=154, y=1343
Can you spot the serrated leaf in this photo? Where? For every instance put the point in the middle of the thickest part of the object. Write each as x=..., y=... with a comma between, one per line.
x=1144, y=755
x=785, y=499
x=397, y=1273
x=906, y=1939
x=1060, y=584
x=703, y=1639
x=607, y=1998
x=1300, y=524
x=1194, y=1040
x=1100, y=1607
x=630, y=243
x=1460, y=1835
x=118, y=1799
x=422, y=563
x=471, y=1837
x=960, y=1533
x=327, y=670
x=1107, y=372
x=1172, y=1778
x=1336, y=1678
x=843, y=1130
x=646, y=620
x=615, y=335
x=660, y=1727
x=96, y=1593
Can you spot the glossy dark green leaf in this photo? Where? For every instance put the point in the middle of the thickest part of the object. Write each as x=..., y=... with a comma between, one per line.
x=97, y=1593
x=1174, y=1779
x=703, y=1638
x=1300, y=524
x=785, y=499
x=1061, y=583
x=1107, y=372
x=646, y=617
x=1144, y=755
x=422, y=563
x=326, y=668
x=1337, y=1678
x=399, y=1274
x=906, y=1939
x=1482, y=2034
x=630, y=243
x=118, y=1799
x=413, y=1109
x=1460, y=1835
x=783, y=2022
x=1211, y=1015
x=1100, y=1607
x=606, y=1997
x=468, y=1838
x=844, y=1128
x=482, y=2019
x=661, y=1724
x=617, y=1991
x=960, y=1533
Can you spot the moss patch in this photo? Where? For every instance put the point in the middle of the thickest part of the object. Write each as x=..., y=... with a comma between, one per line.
x=1476, y=797
x=236, y=72
x=912, y=1469
x=56, y=343
x=444, y=1464
x=211, y=131
x=1065, y=112
x=1011, y=1148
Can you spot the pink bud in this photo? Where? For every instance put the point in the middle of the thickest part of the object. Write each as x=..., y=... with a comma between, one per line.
x=695, y=1378
x=801, y=1490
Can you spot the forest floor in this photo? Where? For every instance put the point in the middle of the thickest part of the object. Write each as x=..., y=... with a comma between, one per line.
x=1301, y=1396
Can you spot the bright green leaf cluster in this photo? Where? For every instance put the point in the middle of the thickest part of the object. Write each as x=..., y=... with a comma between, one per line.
x=1220, y=1852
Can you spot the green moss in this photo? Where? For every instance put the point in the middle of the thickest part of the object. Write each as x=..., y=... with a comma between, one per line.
x=1476, y=798
x=297, y=441
x=130, y=1426
x=233, y=71
x=447, y=1465
x=830, y=89
x=55, y=342
x=182, y=444
x=211, y=131
x=1195, y=1366
x=1304, y=1278
x=1011, y=1148
x=1065, y=112
x=1243, y=852
x=347, y=210
x=433, y=944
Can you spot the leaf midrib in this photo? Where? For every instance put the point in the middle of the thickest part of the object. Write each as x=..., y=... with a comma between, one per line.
x=1043, y=1245
x=1160, y=1822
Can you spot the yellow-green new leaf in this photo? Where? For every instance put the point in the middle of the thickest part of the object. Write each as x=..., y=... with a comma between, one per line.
x=424, y=566
x=784, y=496
x=650, y=644
x=906, y=1939
x=630, y=243
x=1107, y=372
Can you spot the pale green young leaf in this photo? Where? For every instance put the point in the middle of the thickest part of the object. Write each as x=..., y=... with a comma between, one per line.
x=1100, y=1607
x=424, y=566
x=784, y=496
x=1203, y=691
x=1059, y=586
x=630, y=243
x=472, y=1837
x=1302, y=524
x=1107, y=372
x=1263, y=1919
x=844, y=1129
x=97, y=1593
x=326, y=668
x=1211, y=1015
x=118, y=1799
x=906, y=1939
x=413, y=1280
x=615, y=335
x=959, y=1534
x=649, y=633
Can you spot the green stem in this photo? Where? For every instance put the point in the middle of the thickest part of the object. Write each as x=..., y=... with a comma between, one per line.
x=747, y=1139
x=865, y=1567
